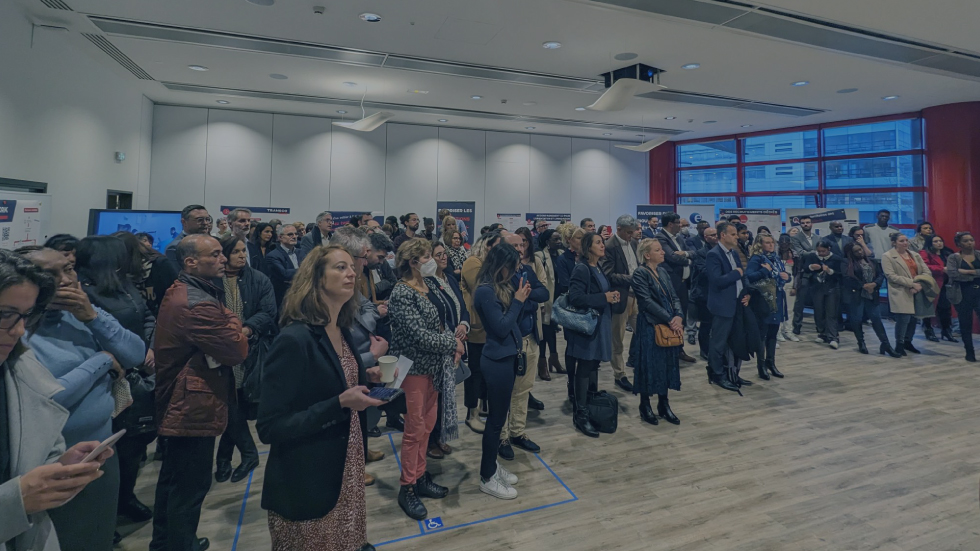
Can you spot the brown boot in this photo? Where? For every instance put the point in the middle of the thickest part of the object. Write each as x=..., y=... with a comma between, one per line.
x=373, y=456
x=368, y=479
x=555, y=364
x=543, y=369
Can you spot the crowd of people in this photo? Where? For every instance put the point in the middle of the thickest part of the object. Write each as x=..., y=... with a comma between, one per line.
x=284, y=324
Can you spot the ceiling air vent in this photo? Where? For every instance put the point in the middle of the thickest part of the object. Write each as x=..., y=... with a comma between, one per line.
x=120, y=57
x=56, y=5
x=732, y=103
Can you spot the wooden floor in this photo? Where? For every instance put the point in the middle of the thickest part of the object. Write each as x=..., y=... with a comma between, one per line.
x=848, y=452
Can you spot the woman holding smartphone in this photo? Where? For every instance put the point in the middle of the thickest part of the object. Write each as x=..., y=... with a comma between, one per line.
x=311, y=413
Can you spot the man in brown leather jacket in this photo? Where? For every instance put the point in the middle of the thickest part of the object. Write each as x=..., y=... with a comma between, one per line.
x=197, y=342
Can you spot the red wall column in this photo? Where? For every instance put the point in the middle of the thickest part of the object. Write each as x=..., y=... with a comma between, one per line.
x=952, y=134
x=663, y=174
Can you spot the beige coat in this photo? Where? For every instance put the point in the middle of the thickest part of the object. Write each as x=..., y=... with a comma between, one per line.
x=35, y=421
x=900, y=299
x=547, y=277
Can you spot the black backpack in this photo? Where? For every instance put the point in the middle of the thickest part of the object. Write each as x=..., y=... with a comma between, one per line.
x=603, y=411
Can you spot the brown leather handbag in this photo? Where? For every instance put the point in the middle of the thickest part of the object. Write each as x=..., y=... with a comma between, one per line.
x=666, y=336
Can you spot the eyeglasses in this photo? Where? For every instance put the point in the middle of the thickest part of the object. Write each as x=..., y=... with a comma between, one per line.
x=439, y=255
x=10, y=318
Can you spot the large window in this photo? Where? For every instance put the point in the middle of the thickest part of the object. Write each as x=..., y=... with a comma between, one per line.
x=866, y=167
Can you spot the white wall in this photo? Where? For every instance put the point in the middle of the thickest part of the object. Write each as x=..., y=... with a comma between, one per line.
x=225, y=157
x=63, y=115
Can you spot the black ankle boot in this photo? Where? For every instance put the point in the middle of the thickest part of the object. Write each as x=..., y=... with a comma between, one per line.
x=663, y=410
x=900, y=348
x=771, y=366
x=910, y=348
x=948, y=336
x=970, y=356
x=426, y=487
x=409, y=501
x=646, y=412
x=931, y=334
x=861, y=347
x=761, y=365
x=886, y=348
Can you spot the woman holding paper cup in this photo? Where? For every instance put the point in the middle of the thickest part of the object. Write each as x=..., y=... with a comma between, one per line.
x=311, y=413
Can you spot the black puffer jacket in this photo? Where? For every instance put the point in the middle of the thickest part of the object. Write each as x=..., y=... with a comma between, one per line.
x=259, y=312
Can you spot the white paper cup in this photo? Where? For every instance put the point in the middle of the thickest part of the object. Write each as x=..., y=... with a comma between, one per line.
x=387, y=365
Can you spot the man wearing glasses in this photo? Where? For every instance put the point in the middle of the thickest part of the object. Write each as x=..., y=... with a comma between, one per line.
x=282, y=262
x=194, y=219
x=319, y=235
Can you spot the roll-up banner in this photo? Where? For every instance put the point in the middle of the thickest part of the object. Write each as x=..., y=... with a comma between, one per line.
x=343, y=217
x=259, y=214
x=644, y=212
x=460, y=210
x=821, y=218
x=753, y=218
x=553, y=218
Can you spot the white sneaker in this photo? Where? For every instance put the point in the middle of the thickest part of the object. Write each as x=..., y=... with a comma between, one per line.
x=777, y=344
x=819, y=340
x=834, y=344
x=505, y=475
x=497, y=487
x=792, y=337
x=780, y=337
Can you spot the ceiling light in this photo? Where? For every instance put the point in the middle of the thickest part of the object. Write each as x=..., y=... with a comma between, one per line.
x=691, y=66
x=710, y=122
x=580, y=108
x=625, y=56
x=476, y=97
x=342, y=112
x=528, y=128
x=746, y=125
x=551, y=45
x=418, y=91
x=801, y=83
x=197, y=67
x=443, y=120
x=670, y=118
x=847, y=90
x=607, y=133
x=223, y=101
x=262, y=2
x=641, y=135
x=370, y=17
x=277, y=76
x=530, y=103
x=350, y=84
x=886, y=98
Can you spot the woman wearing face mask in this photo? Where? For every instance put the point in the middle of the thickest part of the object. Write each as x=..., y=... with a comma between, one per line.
x=964, y=268
x=767, y=270
x=935, y=253
x=901, y=266
x=861, y=283
x=419, y=332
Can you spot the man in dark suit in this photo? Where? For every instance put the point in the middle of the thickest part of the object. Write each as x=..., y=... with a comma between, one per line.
x=319, y=235
x=837, y=238
x=678, y=261
x=698, y=302
x=653, y=227
x=697, y=242
x=618, y=266
x=726, y=279
x=802, y=244
x=282, y=262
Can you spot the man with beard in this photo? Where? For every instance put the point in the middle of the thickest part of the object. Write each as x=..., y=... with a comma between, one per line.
x=411, y=222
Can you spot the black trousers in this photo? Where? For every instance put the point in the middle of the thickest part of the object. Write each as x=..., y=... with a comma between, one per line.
x=130, y=450
x=721, y=328
x=571, y=362
x=943, y=312
x=474, y=387
x=185, y=478
x=856, y=312
x=802, y=297
x=499, y=377
x=550, y=340
x=965, y=310
x=436, y=433
x=826, y=300
x=767, y=348
x=237, y=434
x=586, y=378
x=88, y=521
x=704, y=329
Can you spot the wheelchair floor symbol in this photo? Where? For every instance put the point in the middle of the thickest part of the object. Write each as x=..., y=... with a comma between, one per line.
x=433, y=523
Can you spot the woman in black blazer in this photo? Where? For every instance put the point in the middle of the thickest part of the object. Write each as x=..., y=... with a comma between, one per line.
x=588, y=288
x=311, y=387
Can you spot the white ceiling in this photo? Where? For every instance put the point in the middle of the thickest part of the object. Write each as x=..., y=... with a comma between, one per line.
x=509, y=34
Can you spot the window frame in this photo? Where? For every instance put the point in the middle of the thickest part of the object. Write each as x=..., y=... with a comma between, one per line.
x=822, y=192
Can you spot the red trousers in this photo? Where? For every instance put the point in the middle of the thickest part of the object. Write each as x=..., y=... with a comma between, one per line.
x=422, y=402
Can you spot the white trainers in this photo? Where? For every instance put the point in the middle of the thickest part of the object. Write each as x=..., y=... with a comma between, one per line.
x=792, y=336
x=505, y=475
x=819, y=340
x=780, y=337
x=834, y=344
x=497, y=487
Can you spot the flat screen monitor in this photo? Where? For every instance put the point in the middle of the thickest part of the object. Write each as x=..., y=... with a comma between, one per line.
x=162, y=225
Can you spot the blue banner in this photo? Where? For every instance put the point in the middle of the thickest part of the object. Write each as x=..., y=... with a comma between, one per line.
x=553, y=218
x=343, y=217
x=462, y=211
x=644, y=212
x=259, y=214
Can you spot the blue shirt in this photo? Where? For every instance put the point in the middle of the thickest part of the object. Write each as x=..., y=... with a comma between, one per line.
x=70, y=349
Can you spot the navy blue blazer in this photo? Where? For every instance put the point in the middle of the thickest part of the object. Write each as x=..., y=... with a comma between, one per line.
x=503, y=336
x=280, y=270
x=464, y=314
x=649, y=233
x=722, y=279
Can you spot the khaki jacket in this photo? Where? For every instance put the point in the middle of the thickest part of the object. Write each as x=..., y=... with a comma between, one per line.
x=468, y=284
x=900, y=280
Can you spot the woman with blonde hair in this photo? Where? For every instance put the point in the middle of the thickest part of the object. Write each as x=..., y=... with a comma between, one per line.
x=312, y=413
x=769, y=273
x=418, y=309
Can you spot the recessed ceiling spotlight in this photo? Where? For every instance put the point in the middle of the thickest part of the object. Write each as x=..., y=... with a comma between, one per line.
x=528, y=128
x=223, y=101
x=197, y=67
x=801, y=83
x=746, y=125
x=551, y=45
x=669, y=118
x=418, y=91
x=476, y=97
x=342, y=112
x=847, y=90
x=262, y=2
x=350, y=84
x=607, y=133
x=530, y=103
x=580, y=108
x=625, y=56
x=443, y=120
x=710, y=122
x=886, y=98
x=277, y=76
x=370, y=17
x=691, y=66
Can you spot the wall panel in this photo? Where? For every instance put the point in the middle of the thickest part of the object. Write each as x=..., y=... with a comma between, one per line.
x=590, y=180
x=508, y=174
x=239, y=162
x=411, y=169
x=357, y=170
x=551, y=174
x=301, y=165
x=180, y=144
x=462, y=169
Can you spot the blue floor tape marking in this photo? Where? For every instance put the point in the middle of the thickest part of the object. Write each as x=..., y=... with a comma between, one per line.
x=241, y=515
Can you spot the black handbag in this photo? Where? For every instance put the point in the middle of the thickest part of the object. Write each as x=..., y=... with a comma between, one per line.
x=603, y=411
x=139, y=417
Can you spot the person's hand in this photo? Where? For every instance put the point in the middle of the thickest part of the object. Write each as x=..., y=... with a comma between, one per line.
x=50, y=486
x=150, y=360
x=815, y=267
x=826, y=268
x=681, y=253
x=461, y=332
x=740, y=271
x=869, y=287
x=76, y=453
x=916, y=287
x=677, y=324
x=378, y=346
x=784, y=276
x=357, y=399
x=612, y=297
x=521, y=294
x=383, y=309
x=247, y=331
x=116, y=366
x=74, y=301
x=792, y=292
x=373, y=374
x=767, y=266
x=860, y=239
x=967, y=272
x=460, y=350
x=745, y=300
